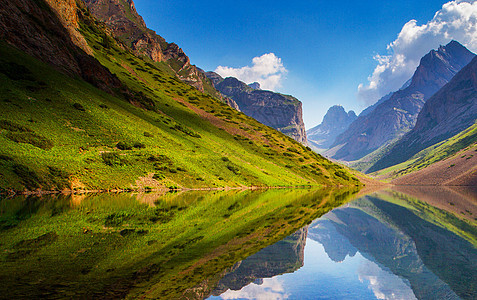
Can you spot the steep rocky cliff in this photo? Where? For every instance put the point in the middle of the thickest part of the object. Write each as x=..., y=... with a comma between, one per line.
x=129, y=27
x=50, y=33
x=282, y=112
x=451, y=110
x=397, y=115
x=335, y=122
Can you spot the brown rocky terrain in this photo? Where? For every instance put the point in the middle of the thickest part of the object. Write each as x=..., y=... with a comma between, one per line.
x=458, y=170
x=40, y=32
x=282, y=112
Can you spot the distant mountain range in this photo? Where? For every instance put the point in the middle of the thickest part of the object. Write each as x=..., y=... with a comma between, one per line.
x=282, y=112
x=451, y=110
x=335, y=122
x=431, y=118
x=398, y=114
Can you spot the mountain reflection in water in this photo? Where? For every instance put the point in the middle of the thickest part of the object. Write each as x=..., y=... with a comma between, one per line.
x=389, y=245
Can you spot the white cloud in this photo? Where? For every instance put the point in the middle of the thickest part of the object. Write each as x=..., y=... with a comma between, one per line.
x=457, y=20
x=270, y=289
x=268, y=70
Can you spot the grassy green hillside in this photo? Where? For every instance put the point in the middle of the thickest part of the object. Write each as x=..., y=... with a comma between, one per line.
x=59, y=132
x=433, y=154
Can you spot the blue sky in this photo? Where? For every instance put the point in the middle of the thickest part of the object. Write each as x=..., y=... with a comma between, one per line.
x=328, y=48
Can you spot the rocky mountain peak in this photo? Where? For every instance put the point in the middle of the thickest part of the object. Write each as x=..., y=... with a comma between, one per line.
x=438, y=67
x=397, y=114
x=337, y=115
x=336, y=121
x=449, y=111
x=255, y=85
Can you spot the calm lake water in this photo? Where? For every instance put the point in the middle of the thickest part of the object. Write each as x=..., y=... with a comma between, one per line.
x=414, y=243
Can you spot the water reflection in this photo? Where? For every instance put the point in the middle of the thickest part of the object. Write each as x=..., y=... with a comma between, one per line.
x=389, y=245
x=176, y=245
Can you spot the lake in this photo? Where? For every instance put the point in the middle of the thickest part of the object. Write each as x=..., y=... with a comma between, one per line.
x=406, y=243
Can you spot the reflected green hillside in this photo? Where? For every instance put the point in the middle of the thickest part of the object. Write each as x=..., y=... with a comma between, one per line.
x=125, y=245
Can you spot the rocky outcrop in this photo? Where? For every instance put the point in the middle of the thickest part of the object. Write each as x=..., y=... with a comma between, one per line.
x=255, y=85
x=129, y=27
x=66, y=12
x=397, y=115
x=451, y=110
x=335, y=122
x=42, y=33
x=282, y=112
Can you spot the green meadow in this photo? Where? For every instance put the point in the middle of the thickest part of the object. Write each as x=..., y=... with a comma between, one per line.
x=58, y=132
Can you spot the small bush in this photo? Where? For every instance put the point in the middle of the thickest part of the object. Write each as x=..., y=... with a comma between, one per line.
x=111, y=159
x=79, y=107
x=147, y=134
x=185, y=130
x=233, y=169
x=8, y=125
x=59, y=177
x=139, y=145
x=124, y=146
x=158, y=176
x=293, y=150
x=342, y=175
x=30, y=138
x=226, y=159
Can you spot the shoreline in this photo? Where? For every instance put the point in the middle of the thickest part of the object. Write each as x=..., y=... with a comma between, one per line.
x=12, y=193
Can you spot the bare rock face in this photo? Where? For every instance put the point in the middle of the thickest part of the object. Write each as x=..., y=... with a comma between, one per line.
x=42, y=33
x=397, y=115
x=255, y=85
x=282, y=112
x=335, y=122
x=66, y=12
x=451, y=110
x=129, y=27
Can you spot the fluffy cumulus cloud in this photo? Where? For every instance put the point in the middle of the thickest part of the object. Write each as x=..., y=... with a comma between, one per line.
x=270, y=289
x=268, y=70
x=457, y=20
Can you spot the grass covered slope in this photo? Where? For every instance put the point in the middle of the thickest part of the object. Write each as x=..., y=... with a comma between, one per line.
x=59, y=132
x=441, y=164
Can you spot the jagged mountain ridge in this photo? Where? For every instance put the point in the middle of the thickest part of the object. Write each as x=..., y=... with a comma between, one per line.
x=397, y=115
x=282, y=112
x=451, y=110
x=129, y=27
x=335, y=122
